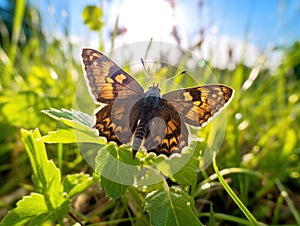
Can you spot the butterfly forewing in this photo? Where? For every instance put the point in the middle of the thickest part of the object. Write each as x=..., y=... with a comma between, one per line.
x=106, y=79
x=198, y=105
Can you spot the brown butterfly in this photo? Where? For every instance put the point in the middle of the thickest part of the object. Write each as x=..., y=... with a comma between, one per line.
x=158, y=123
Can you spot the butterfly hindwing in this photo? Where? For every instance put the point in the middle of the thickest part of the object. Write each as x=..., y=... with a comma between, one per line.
x=106, y=79
x=198, y=105
x=167, y=132
x=104, y=124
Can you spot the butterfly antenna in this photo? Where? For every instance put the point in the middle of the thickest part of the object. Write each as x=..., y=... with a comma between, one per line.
x=145, y=69
x=180, y=73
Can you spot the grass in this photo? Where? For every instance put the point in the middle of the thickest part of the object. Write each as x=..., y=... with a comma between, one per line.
x=259, y=157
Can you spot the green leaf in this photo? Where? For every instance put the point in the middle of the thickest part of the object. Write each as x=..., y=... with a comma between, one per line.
x=113, y=189
x=76, y=183
x=172, y=207
x=80, y=122
x=149, y=179
x=64, y=136
x=46, y=175
x=118, y=168
x=75, y=119
x=35, y=210
x=187, y=175
x=47, y=178
x=92, y=17
x=27, y=211
x=183, y=167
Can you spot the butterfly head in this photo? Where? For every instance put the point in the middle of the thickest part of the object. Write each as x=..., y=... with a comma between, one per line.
x=153, y=90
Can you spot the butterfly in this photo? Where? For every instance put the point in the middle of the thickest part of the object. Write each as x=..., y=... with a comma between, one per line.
x=146, y=118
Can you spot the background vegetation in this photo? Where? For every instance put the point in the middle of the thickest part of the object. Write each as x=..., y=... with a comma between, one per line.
x=259, y=157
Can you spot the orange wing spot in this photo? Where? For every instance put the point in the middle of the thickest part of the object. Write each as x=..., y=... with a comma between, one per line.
x=107, y=121
x=197, y=103
x=120, y=78
x=109, y=80
x=100, y=127
x=171, y=125
x=94, y=55
x=187, y=96
x=173, y=140
x=165, y=141
x=107, y=87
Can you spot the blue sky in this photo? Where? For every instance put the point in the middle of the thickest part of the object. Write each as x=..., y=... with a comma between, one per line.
x=262, y=24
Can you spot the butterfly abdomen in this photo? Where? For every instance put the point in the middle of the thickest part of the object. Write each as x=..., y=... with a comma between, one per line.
x=140, y=134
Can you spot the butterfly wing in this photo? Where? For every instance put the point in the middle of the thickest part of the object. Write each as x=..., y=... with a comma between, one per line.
x=198, y=105
x=104, y=124
x=167, y=132
x=111, y=85
x=106, y=79
x=112, y=122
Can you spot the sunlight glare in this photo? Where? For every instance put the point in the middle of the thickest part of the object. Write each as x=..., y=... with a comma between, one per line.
x=145, y=19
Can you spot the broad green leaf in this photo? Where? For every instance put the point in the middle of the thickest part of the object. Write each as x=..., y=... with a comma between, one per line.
x=116, y=165
x=76, y=183
x=28, y=209
x=172, y=207
x=92, y=17
x=35, y=210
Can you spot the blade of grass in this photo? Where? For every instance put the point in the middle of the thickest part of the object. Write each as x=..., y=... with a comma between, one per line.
x=228, y=218
x=234, y=197
x=288, y=200
x=17, y=24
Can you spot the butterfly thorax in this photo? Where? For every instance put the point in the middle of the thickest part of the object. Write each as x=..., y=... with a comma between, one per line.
x=152, y=96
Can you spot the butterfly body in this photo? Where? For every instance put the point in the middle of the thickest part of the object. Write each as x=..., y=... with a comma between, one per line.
x=150, y=116
x=156, y=122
